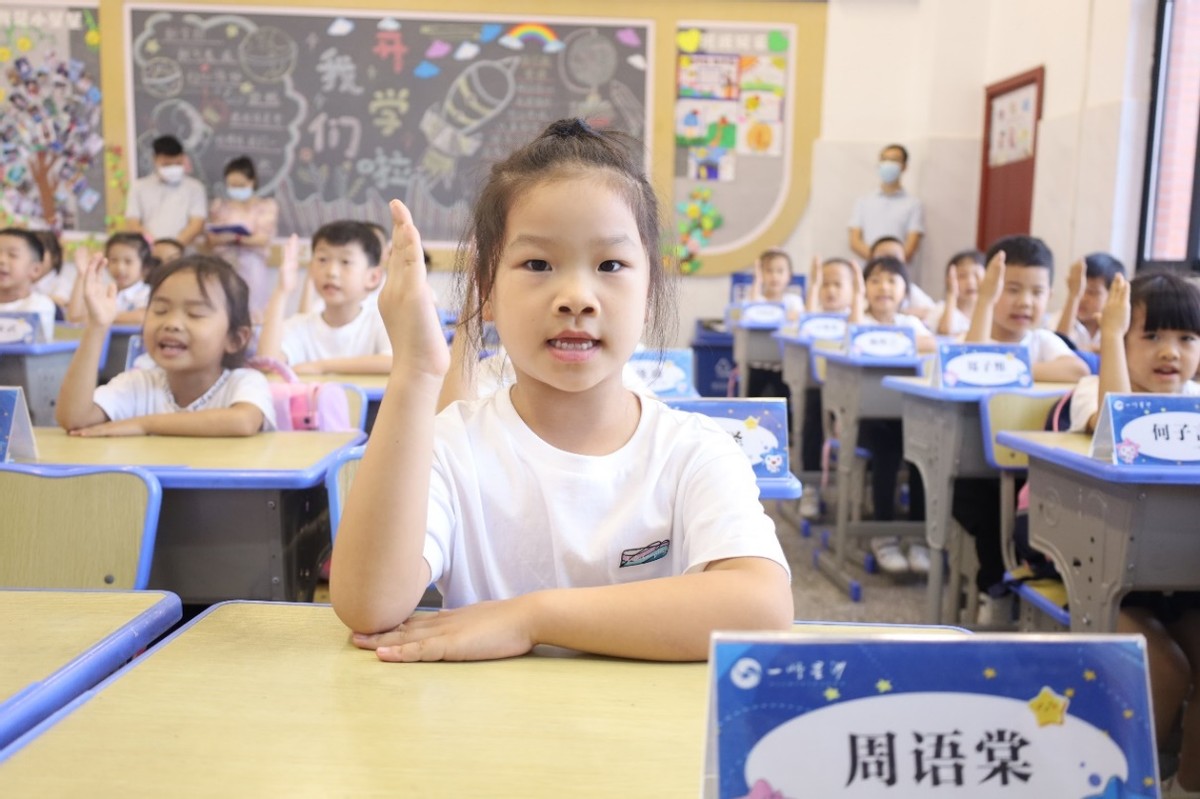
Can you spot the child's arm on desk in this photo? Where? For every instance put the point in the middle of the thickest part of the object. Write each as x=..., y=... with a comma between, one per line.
x=985, y=305
x=1063, y=369
x=270, y=338
x=1114, y=367
x=354, y=365
x=241, y=419
x=76, y=408
x=381, y=572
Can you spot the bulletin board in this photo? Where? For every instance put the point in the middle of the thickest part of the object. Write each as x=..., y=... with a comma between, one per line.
x=342, y=113
x=51, y=139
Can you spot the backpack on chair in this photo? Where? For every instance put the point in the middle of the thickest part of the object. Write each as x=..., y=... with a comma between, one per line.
x=304, y=406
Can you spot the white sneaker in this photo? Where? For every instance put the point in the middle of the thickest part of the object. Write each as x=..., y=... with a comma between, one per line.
x=810, y=502
x=888, y=555
x=918, y=558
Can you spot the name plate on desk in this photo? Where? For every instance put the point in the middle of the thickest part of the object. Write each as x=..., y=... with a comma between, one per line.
x=1160, y=429
x=880, y=341
x=984, y=366
x=18, y=327
x=16, y=431
x=822, y=326
x=761, y=315
x=827, y=715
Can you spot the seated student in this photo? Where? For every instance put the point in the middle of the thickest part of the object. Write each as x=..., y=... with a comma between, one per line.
x=879, y=291
x=1012, y=297
x=196, y=330
x=54, y=278
x=1149, y=334
x=345, y=336
x=129, y=262
x=1079, y=319
x=963, y=273
x=531, y=509
x=167, y=250
x=772, y=276
x=918, y=303
x=21, y=253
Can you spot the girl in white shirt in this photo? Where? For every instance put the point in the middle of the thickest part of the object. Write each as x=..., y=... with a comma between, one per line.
x=127, y=256
x=565, y=510
x=196, y=330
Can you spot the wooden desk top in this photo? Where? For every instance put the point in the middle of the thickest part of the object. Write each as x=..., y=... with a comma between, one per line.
x=273, y=700
x=43, y=631
x=255, y=461
x=922, y=386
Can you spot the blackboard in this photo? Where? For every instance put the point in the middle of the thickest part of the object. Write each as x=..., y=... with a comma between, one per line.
x=51, y=139
x=342, y=113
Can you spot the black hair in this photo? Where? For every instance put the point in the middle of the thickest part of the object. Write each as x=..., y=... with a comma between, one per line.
x=901, y=148
x=1171, y=301
x=243, y=166
x=565, y=149
x=975, y=256
x=1101, y=264
x=1023, y=251
x=348, y=231
x=886, y=263
x=167, y=145
x=237, y=293
x=51, y=247
x=31, y=239
x=775, y=252
x=135, y=240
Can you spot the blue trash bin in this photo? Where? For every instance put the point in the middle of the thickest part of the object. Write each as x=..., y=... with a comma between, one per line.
x=713, y=348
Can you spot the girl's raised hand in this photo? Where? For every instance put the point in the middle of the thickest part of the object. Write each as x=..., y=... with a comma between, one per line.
x=407, y=306
x=99, y=296
x=1114, y=318
x=993, y=279
x=289, y=267
x=951, y=285
x=1075, y=278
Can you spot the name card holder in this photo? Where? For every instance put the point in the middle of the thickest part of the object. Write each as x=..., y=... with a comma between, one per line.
x=756, y=315
x=983, y=366
x=880, y=341
x=846, y=714
x=668, y=373
x=21, y=327
x=16, y=431
x=822, y=326
x=1140, y=429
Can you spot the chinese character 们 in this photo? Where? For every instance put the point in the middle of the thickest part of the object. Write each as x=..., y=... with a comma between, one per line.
x=873, y=757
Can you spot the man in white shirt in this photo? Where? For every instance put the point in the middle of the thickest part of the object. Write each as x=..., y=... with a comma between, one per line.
x=167, y=204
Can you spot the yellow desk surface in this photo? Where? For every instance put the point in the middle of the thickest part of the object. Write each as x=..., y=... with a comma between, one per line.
x=265, y=451
x=362, y=381
x=1079, y=443
x=273, y=700
x=42, y=631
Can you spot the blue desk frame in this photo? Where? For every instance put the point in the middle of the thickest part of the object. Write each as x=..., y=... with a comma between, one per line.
x=40, y=700
x=39, y=369
x=118, y=350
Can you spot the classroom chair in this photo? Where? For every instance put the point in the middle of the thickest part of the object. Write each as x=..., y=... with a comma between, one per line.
x=91, y=527
x=337, y=482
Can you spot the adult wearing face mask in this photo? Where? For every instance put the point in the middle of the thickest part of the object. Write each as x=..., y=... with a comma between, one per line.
x=167, y=204
x=891, y=211
x=258, y=217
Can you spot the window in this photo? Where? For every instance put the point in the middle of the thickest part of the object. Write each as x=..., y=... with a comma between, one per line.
x=1170, y=231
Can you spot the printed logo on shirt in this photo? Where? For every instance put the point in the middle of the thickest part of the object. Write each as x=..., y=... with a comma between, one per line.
x=639, y=556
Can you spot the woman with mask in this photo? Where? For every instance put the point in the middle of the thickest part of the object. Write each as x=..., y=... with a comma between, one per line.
x=240, y=228
x=888, y=212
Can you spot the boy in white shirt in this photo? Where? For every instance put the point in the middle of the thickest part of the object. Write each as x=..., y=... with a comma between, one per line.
x=347, y=335
x=1080, y=316
x=21, y=254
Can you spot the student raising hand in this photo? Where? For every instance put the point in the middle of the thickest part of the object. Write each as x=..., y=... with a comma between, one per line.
x=814, y=284
x=289, y=266
x=99, y=295
x=858, y=297
x=989, y=292
x=408, y=307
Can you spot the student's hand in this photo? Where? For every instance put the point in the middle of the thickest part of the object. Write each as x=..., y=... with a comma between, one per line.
x=858, y=297
x=1075, y=279
x=407, y=306
x=1114, y=318
x=99, y=296
x=814, y=282
x=289, y=267
x=125, y=427
x=993, y=279
x=951, y=287
x=82, y=256
x=483, y=631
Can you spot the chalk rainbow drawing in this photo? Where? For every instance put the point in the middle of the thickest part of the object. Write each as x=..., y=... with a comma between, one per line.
x=533, y=33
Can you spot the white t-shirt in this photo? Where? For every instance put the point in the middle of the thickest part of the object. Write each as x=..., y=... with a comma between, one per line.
x=141, y=392
x=959, y=322
x=882, y=214
x=37, y=303
x=903, y=320
x=134, y=297
x=164, y=210
x=58, y=284
x=308, y=337
x=1044, y=345
x=510, y=514
x=1086, y=400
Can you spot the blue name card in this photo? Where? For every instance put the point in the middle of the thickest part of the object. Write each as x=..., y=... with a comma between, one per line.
x=822, y=326
x=758, y=315
x=880, y=341
x=904, y=715
x=20, y=327
x=16, y=431
x=1160, y=429
x=668, y=373
x=984, y=366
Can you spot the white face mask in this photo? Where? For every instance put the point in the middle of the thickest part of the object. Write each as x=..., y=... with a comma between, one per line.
x=171, y=174
x=889, y=171
x=239, y=193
